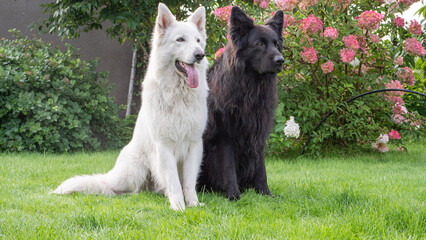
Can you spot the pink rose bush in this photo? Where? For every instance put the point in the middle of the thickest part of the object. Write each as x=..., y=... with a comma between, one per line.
x=341, y=48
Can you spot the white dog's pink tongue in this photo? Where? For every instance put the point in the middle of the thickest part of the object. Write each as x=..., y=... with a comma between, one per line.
x=192, y=75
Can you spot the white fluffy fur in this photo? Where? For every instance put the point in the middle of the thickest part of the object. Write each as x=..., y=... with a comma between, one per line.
x=165, y=152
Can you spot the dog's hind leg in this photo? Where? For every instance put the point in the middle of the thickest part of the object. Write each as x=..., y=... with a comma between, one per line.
x=191, y=167
x=129, y=173
x=167, y=172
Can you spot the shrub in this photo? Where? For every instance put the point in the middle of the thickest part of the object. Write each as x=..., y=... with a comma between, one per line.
x=415, y=102
x=53, y=101
x=335, y=50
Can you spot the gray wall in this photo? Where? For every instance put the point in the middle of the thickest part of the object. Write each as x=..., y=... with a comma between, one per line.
x=113, y=57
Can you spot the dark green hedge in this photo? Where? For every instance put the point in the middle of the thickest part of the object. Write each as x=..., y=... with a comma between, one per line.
x=52, y=101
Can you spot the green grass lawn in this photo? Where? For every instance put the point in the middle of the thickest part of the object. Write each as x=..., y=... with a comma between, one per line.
x=367, y=195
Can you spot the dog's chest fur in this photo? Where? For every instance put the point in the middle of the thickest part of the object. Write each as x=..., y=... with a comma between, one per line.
x=178, y=112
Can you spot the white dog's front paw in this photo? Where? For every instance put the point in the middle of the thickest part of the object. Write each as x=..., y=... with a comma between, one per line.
x=195, y=204
x=177, y=206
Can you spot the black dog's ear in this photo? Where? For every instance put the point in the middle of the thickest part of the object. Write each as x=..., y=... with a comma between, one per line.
x=241, y=24
x=276, y=22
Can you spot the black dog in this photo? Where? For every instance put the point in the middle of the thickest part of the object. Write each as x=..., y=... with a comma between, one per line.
x=241, y=106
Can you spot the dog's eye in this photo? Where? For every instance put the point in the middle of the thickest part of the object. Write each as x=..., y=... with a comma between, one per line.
x=259, y=43
x=181, y=39
x=198, y=40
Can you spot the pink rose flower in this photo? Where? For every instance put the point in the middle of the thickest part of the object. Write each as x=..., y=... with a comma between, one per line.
x=223, y=13
x=327, y=67
x=264, y=4
x=395, y=84
x=331, y=33
x=374, y=38
x=290, y=20
x=369, y=20
x=396, y=100
x=347, y=55
x=309, y=55
x=351, y=42
x=341, y=5
x=311, y=25
x=304, y=4
x=398, y=61
x=414, y=121
x=399, y=109
x=406, y=75
x=286, y=5
x=219, y=53
x=394, y=134
x=399, y=22
x=398, y=118
x=415, y=28
x=407, y=3
x=414, y=47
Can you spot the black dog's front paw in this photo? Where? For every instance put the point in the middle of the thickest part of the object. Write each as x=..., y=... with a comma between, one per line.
x=233, y=195
x=263, y=190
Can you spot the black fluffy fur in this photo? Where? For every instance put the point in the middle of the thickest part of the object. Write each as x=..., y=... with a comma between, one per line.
x=241, y=106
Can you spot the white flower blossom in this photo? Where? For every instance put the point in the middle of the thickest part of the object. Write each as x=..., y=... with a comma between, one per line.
x=381, y=143
x=381, y=147
x=354, y=62
x=291, y=128
x=383, y=138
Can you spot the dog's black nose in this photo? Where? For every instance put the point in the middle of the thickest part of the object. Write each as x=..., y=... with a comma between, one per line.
x=279, y=61
x=199, y=55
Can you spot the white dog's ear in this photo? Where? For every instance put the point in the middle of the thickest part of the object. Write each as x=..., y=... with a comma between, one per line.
x=199, y=19
x=165, y=18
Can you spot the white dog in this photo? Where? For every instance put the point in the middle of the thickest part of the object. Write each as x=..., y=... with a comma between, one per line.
x=165, y=152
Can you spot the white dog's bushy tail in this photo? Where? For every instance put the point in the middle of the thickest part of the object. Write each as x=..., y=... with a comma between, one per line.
x=87, y=184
